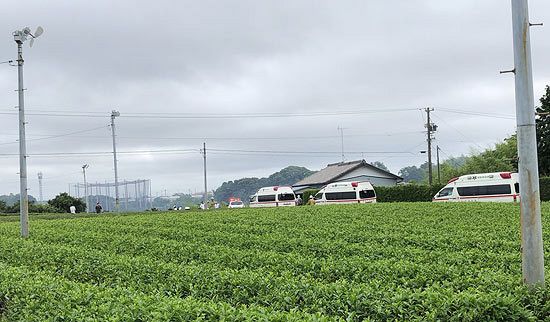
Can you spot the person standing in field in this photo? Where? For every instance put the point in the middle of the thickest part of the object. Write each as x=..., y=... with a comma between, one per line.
x=98, y=208
x=72, y=209
x=212, y=203
x=311, y=201
x=298, y=200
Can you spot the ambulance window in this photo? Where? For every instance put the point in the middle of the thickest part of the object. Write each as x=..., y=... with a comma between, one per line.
x=366, y=194
x=286, y=196
x=340, y=195
x=516, y=187
x=252, y=198
x=499, y=189
x=266, y=198
x=445, y=192
x=319, y=195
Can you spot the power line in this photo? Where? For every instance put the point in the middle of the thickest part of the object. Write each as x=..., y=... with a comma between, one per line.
x=179, y=151
x=485, y=114
x=59, y=135
x=226, y=138
x=459, y=132
x=310, y=152
x=167, y=115
x=171, y=115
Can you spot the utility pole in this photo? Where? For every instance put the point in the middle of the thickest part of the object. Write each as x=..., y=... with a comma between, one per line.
x=438, y=168
x=84, y=167
x=40, y=195
x=20, y=37
x=531, y=227
x=341, y=130
x=430, y=127
x=205, y=185
x=113, y=115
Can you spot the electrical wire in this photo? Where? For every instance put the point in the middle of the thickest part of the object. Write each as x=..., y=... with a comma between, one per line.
x=459, y=132
x=58, y=135
x=180, y=151
x=310, y=152
x=485, y=114
x=166, y=115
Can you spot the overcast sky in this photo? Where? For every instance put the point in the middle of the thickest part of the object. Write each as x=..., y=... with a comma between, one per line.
x=300, y=62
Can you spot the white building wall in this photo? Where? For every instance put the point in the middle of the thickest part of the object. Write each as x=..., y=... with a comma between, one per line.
x=377, y=178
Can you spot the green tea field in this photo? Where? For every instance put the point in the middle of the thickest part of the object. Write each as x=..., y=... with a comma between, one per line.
x=402, y=261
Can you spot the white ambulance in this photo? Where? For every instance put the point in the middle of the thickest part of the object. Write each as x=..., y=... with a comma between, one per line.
x=273, y=197
x=346, y=192
x=496, y=187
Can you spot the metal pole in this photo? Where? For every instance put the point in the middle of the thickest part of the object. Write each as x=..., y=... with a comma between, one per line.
x=205, y=185
x=40, y=188
x=113, y=115
x=429, y=127
x=438, y=168
x=84, y=167
x=23, y=196
x=531, y=227
x=341, y=130
x=126, y=195
x=150, y=195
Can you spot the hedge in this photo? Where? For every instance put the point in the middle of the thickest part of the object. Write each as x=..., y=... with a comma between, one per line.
x=309, y=192
x=406, y=193
x=416, y=192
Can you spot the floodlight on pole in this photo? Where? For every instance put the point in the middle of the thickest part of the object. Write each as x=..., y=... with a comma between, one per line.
x=20, y=36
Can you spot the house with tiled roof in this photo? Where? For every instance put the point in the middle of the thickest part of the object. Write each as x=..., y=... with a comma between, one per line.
x=358, y=170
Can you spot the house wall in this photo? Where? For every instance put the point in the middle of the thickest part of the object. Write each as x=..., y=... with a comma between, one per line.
x=377, y=178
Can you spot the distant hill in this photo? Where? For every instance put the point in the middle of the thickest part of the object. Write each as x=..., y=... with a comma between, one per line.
x=243, y=188
x=11, y=199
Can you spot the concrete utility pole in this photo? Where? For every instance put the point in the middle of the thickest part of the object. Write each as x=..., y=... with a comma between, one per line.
x=40, y=191
x=84, y=167
x=531, y=227
x=429, y=129
x=20, y=37
x=438, y=168
x=113, y=115
x=341, y=130
x=205, y=185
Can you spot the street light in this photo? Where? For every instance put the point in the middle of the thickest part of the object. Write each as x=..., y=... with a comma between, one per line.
x=20, y=36
x=84, y=167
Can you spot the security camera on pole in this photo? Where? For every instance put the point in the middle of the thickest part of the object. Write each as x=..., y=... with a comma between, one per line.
x=20, y=36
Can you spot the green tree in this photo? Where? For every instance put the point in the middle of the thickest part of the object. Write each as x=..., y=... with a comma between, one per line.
x=2, y=206
x=543, y=133
x=380, y=165
x=414, y=173
x=11, y=199
x=243, y=188
x=63, y=202
x=503, y=157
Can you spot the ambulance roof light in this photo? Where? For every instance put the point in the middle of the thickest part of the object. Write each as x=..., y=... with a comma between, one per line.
x=506, y=175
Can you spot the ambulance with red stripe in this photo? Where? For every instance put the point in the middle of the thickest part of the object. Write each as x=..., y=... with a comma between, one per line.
x=273, y=197
x=346, y=192
x=495, y=187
